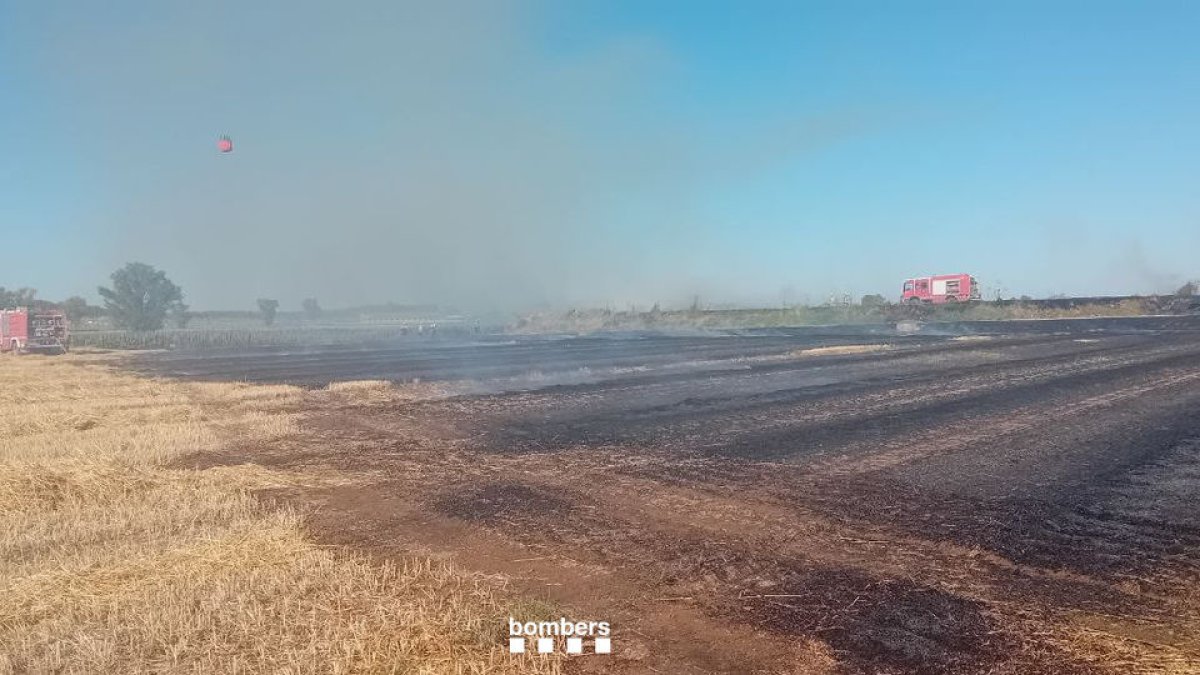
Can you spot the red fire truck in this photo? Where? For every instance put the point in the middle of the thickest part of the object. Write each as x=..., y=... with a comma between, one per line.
x=24, y=330
x=940, y=288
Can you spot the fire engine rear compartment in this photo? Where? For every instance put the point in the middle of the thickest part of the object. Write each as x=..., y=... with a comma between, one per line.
x=23, y=330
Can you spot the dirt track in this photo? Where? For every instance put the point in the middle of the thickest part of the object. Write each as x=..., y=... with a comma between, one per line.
x=1019, y=502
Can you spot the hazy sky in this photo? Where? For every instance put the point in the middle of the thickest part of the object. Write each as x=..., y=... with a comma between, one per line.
x=511, y=155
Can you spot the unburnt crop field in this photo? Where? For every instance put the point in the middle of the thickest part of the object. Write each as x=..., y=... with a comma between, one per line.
x=1006, y=497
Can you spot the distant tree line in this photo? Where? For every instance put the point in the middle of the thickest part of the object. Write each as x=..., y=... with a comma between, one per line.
x=142, y=298
x=17, y=297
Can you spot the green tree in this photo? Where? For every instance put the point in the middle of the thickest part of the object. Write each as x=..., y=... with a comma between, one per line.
x=140, y=297
x=873, y=300
x=1190, y=288
x=311, y=308
x=267, y=308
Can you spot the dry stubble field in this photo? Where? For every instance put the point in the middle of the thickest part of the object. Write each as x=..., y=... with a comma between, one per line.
x=113, y=560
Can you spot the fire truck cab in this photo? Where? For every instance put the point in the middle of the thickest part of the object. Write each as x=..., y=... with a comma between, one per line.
x=23, y=330
x=940, y=288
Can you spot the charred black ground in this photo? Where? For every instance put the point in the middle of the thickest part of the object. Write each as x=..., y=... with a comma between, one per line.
x=1015, y=497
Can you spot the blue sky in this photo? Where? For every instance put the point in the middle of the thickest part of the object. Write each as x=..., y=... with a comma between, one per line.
x=599, y=152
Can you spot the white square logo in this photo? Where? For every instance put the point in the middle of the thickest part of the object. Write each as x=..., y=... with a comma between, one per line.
x=545, y=645
x=516, y=645
x=574, y=645
x=603, y=645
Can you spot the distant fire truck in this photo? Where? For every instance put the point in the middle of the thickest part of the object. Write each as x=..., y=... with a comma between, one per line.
x=24, y=330
x=940, y=288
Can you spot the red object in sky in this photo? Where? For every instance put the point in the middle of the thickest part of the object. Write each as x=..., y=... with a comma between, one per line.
x=225, y=144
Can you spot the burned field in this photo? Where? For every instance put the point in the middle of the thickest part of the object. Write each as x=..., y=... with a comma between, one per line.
x=1017, y=501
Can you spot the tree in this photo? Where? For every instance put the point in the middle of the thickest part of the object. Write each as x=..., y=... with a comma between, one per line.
x=180, y=314
x=873, y=300
x=268, y=308
x=311, y=309
x=77, y=308
x=1190, y=288
x=140, y=297
x=18, y=297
